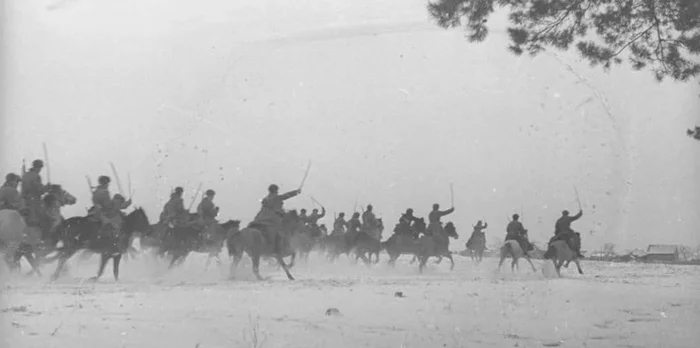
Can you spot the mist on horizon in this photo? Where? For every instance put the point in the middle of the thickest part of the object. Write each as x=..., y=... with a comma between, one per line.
x=388, y=108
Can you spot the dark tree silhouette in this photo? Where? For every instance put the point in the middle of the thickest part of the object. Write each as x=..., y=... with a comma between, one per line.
x=660, y=35
x=695, y=134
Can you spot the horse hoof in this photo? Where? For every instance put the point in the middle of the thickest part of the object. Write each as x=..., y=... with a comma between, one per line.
x=92, y=279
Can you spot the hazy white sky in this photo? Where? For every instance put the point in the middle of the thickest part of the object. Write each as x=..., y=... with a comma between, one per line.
x=390, y=109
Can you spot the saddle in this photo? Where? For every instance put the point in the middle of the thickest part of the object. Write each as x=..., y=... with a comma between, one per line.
x=258, y=226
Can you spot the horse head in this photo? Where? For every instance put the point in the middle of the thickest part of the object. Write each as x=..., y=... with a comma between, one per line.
x=62, y=196
x=137, y=221
x=451, y=230
x=231, y=225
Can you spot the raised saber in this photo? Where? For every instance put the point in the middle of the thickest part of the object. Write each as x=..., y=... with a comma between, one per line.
x=89, y=183
x=199, y=189
x=578, y=200
x=46, y=160
x=116, y=177
x=308, y=167
x=452, y=194
x=315, y=201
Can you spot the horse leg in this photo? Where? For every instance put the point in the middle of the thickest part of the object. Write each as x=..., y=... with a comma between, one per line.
x=234, y=265
x=452, y=261
x=33, y=262
x=438, y=260
x=503, y=258
x=423, y=262
x=280, y=261
x=62, y=259
x=174, y=258
x=413, y=260
x=557, y=266
x=206, y=264
x=531, y=264
x=291, y=262
x=103, y=262
x=115, y=266
x=578, y=265
x=513, y=264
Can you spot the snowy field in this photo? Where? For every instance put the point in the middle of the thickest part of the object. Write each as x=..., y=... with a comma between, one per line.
x=611, y=305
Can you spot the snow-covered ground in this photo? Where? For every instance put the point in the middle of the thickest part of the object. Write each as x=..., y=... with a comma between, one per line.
x=611, y=305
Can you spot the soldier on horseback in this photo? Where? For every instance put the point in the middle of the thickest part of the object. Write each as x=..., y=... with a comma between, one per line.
x=339, y=225
x=9, y=195
x=370, y=223
x=312, y=221
x=207, y=212
x=435, y=225
x=404, y=225
x=32, y=190
x=174, y=212
x=303, y=217
x=269, y=218
x=515, y=231
x=563, y=231
x=103, y=209
x=354, y=223
x=477, y=233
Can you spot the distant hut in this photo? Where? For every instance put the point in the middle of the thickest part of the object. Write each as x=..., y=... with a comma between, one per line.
x=662, y=253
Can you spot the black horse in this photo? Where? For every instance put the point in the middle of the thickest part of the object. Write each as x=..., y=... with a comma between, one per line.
x=81, y=233
x=180, y=241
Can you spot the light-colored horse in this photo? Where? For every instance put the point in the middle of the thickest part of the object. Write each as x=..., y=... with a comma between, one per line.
x=559, y=252
x=17, y=240
x=512, y=248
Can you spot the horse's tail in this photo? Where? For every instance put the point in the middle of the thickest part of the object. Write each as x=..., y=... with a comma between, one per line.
x=550, y=253
x=507, y=248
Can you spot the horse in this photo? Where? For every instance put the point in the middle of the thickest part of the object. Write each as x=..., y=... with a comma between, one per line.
x=251, y=241
x=180, y=241
x=82, y=233
x=302, y=237
x=37, y=242
x=560, y=252
x=365, y=245
x=437, y=245
x=17, y=240
x=476, y=246
x=404, y=240
x=512, y=248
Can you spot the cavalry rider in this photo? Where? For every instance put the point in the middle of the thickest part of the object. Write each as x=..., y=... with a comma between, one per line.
x=339, y=225
x=515, y=231
x=174, y=210
x=478, y=232
x=269, y=218
x=369, y=220
x=207, y=211
x=404, y=225
x=303, y=217
x=102, y=207
x=312, y=220
x=354, y=223
x=9, y=195
x=435, y=225
x=563, y=231
x=32, y=190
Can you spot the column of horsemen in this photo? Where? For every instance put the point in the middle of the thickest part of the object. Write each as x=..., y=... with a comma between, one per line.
x=40, y=205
